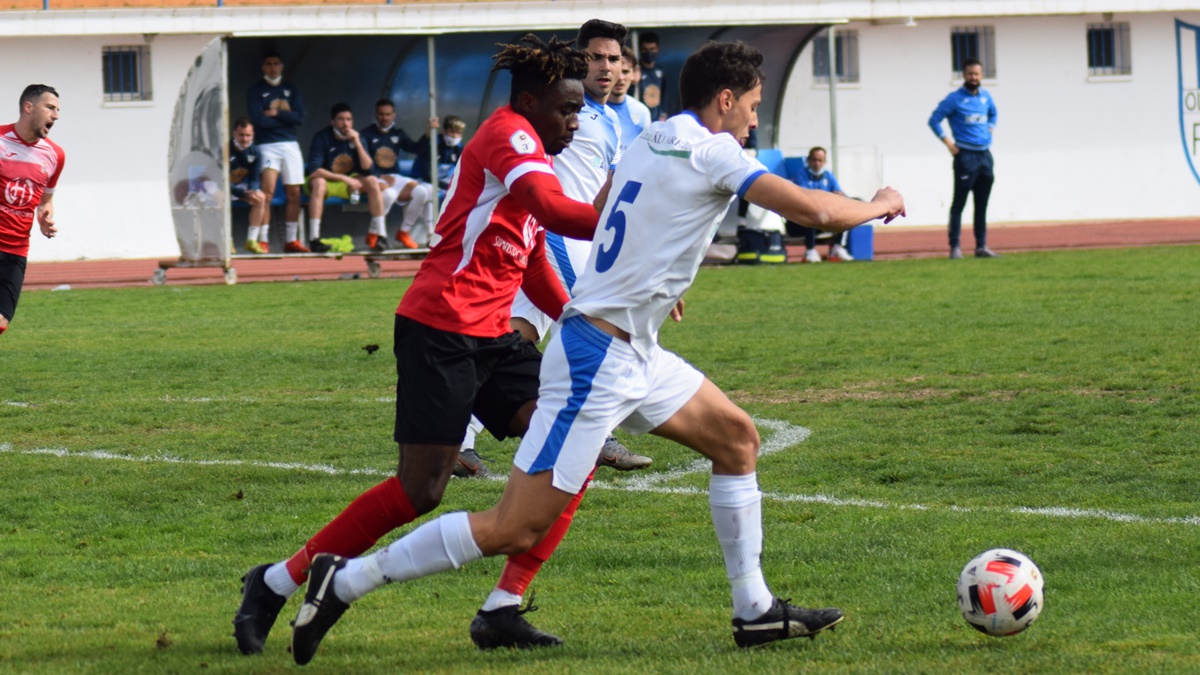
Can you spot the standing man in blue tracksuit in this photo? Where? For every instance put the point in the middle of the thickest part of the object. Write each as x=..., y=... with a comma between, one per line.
x=972, y=115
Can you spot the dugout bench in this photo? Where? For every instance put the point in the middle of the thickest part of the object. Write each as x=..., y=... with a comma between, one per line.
x=338, y=224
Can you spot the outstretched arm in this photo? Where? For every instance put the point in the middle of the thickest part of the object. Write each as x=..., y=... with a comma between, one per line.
x=822, y=210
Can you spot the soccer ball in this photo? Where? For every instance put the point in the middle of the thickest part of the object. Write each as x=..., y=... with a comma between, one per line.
x=1000, y=592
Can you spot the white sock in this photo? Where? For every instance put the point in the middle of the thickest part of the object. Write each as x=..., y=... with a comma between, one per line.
x=378, y=226
x=441, y=544
x=264, y=233
x=736, y=506
x=430, y=219
x=473, y=430
x=314, y=228
x=500, y=598
x=293, y=230
x=252, y=233
x=421, y=195
x=280, y=581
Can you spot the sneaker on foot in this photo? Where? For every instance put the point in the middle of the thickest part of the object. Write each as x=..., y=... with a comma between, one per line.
x=318, y=246
x=839, y=252
x=321, y=609
x=784, y=621
x=376, y=243
x=406, y=240
x=811, y=256
x=507, y=627
x=260, y=607
x=955, y=253
x=265, y=246
x=253, y=246
x=295, y=246
x=470, y=465
x=985, y=252
x=619, y=457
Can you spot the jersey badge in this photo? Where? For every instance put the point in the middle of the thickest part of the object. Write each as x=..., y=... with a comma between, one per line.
x=522, y=143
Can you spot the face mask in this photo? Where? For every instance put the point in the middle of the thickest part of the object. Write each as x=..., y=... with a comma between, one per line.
x=649, y=58
x=239, y=146
x=338, y=135
x=453, y=141
x=273, y=81
x=383, y=128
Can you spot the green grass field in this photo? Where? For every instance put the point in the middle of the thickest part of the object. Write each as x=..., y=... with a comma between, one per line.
x=157, y=442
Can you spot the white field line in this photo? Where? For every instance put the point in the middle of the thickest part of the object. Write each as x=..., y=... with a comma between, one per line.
x=785, y=436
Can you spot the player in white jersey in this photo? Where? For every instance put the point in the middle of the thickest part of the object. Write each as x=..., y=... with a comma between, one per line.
x=634, y=114
x=604, y=367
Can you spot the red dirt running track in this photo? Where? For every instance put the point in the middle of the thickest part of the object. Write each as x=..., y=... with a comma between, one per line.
x=890, y=243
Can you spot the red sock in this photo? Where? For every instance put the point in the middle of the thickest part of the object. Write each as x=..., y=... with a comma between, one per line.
x=521, y=569
x=371, y=515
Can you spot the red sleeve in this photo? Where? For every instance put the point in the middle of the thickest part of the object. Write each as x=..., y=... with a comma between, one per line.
x=540, y=284
x=542, y=196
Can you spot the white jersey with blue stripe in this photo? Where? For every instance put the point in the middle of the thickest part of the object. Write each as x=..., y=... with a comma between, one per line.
x=582, y=169
x=668, y=197
x=634, y=116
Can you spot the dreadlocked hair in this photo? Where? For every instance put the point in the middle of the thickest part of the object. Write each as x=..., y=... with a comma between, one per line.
x=535, y=65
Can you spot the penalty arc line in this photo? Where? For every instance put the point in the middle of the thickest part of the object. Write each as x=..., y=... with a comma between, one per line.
x=785, y=435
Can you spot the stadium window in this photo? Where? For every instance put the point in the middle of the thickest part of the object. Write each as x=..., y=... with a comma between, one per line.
x=973, y=42
x=1108, y=49
x=845, y=46
x=126, y=73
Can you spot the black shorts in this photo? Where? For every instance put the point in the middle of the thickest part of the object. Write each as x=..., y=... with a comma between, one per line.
x=12, y=277
x=442, y=378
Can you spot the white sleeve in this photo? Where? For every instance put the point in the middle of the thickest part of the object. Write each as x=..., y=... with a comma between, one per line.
x=728, y=167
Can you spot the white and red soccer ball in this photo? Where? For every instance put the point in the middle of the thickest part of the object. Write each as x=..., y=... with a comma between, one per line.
x=1000, y=592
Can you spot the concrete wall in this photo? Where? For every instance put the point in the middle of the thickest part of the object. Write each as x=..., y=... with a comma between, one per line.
x=1066, y=146
x=111, y=200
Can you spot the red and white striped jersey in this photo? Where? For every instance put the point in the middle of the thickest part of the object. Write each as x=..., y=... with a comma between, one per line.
x=485, y=240
x=26, y=172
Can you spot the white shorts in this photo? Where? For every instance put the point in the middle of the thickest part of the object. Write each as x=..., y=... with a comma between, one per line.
x=391, y=193
x=592, y=383
x=567, y=257
x=285, y=158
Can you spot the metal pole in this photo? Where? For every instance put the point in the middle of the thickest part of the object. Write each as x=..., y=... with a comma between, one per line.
x=433, y=133
x=833, y=134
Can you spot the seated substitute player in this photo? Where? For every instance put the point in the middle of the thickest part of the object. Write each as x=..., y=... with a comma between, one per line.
x=385, y=141
x=604, y=366
x=455, y=351
x=29, y=168
x=245, y=166
x=338, y=166
x=450, y=145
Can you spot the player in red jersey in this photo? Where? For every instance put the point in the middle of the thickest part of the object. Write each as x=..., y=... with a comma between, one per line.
x=29, y=168
x=456, y=353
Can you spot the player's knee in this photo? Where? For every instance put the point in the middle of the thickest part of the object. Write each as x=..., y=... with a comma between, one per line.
x=426, y=496
x=741, y=444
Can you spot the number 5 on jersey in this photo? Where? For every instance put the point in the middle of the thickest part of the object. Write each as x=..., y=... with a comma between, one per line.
x=606, y=256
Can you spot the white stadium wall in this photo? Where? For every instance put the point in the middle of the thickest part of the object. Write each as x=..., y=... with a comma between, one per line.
x=111, y=200
x=1067, y=147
